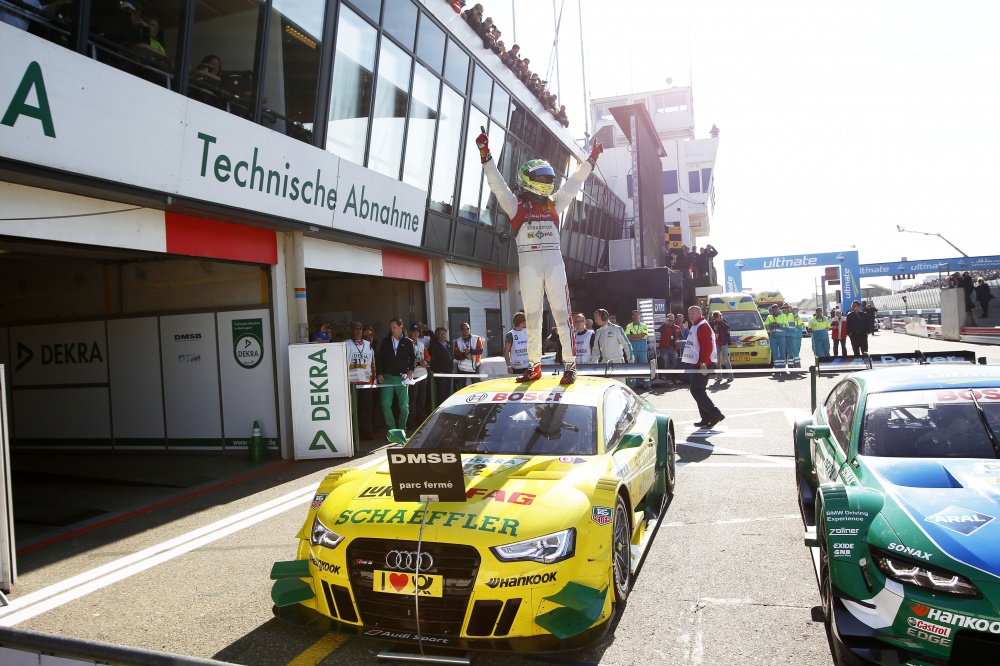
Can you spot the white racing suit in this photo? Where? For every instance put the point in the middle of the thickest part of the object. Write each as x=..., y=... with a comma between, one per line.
x=535, y=225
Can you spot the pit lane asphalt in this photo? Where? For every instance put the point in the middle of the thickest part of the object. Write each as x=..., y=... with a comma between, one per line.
x=726, y=580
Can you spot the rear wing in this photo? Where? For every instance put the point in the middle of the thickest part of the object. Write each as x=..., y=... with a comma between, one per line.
x=869, y=361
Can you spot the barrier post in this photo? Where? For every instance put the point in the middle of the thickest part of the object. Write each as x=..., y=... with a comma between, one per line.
x=813, y=374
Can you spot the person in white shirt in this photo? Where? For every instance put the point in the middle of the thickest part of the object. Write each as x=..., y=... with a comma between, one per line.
x=418, y=393
x=584, y=334
x=515, y=346
x=610, y=343
x=361, y=372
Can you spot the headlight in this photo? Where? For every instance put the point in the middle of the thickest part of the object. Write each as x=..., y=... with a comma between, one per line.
x=320, y=535
x=762, y=343
x=930, y=578
x=547, y=549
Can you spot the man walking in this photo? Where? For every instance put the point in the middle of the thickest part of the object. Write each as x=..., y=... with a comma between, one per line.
x=700, y=352
x=857, y=329
x=637, y=335
x=395, y=363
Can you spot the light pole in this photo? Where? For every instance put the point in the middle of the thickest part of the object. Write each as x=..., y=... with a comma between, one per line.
x=900, y=229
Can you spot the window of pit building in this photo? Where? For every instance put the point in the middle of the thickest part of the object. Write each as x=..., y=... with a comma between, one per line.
x=401, y=22
x=392, y=94
x=294, y=45
x=430, y=43
x=456, y=66
x=670, y=182
x=353, y=84
x=420, y=132
x=370, y=8
x=472, y=175
x=446, y=153
x=140, y=42
x=223, y=48
x=706, y=179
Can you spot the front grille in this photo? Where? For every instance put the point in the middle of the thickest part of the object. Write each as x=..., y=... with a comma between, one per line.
x=441, y=616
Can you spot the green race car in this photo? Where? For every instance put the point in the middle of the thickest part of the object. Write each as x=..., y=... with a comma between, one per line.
x=898, y=473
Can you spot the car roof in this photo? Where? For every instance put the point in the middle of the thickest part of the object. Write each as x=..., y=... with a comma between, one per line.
x=594, y=386
x=912, y=377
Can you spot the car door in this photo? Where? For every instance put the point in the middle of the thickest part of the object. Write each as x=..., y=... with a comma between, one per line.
x=635, y=465
x=830, y=453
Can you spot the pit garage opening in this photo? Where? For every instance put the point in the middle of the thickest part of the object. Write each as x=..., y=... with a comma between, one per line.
x=124, y=377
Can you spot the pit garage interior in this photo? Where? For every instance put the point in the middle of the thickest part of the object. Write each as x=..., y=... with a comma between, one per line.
x=123, y=387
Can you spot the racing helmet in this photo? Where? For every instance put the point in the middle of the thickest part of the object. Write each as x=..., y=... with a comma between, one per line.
x=536, y=176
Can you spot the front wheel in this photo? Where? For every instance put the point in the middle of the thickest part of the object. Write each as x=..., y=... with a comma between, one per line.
x=621, y=553
x=670, y=469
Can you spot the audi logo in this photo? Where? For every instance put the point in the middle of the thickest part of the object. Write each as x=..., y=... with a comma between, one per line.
x=406, y=560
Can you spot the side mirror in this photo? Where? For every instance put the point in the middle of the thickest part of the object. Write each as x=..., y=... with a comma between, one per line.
x=632, y=440
x=817, y=431
x=397, y=436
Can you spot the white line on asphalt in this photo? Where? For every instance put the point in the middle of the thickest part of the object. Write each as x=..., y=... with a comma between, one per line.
x=80, y=585
x=749, y=433
x=736, y=521
x=696, y=465
x=754, y=412
x=746, y=454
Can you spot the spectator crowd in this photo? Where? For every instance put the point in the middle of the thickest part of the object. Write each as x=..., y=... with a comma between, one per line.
x=693, y=262
x=490, y=34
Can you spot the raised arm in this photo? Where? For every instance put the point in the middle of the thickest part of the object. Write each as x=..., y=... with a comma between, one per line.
x=506, y=198
x=572, y=186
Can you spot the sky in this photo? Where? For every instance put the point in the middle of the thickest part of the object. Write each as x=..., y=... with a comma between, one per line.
x=838, y=120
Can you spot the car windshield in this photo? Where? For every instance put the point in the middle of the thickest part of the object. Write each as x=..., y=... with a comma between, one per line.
x=517, y=428
x=937, y=423
x=743, y=320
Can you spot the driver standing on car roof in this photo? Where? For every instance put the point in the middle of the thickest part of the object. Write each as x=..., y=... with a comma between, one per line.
x=534, y=220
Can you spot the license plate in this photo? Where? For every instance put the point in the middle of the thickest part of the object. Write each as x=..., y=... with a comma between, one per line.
x=740, y=357
x=396, y=582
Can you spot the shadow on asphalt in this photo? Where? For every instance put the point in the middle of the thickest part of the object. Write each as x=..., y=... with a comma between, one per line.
x=146, y=514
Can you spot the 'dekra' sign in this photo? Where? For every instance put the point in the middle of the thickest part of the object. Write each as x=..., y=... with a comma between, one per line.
x=431, y=475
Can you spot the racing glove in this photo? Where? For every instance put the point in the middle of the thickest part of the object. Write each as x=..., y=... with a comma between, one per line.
x=595, y=150
x=483, y=144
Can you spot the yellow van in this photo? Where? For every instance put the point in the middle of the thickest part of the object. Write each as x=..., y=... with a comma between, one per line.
x=750, y=345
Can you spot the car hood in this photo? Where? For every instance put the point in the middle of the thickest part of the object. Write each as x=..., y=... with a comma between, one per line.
x=954, y=502
x=509, y=498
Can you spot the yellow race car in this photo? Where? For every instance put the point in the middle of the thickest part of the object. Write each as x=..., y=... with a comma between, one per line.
x=564, y=486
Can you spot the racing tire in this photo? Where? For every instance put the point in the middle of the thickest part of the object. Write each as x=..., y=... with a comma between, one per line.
x=670, y=469
x=621, y=551
x=826, y=595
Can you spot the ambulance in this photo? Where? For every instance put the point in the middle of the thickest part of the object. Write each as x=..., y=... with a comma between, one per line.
x=750, y=345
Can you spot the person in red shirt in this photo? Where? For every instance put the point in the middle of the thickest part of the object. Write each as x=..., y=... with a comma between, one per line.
x=838, y=333
x=701, y=353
